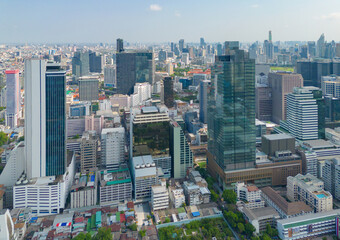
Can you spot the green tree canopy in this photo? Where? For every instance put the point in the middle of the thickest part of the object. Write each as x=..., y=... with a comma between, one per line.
x=229, y=196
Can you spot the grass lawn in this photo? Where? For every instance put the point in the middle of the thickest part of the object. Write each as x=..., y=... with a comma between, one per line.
x=202, y=164
x=286, y=69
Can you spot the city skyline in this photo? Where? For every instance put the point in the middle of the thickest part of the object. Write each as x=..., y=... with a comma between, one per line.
x=217, y=21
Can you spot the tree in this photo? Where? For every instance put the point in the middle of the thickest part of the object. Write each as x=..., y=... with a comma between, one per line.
x=214, y=196
x=249, y=229
x=133, y=227
x=3, y=138
x=266, y=237
x=324, y=238
x=82, y=236
x=240, y=227
x=229, y=196
x=103, y=234
x=142, y=233
x=167, y=220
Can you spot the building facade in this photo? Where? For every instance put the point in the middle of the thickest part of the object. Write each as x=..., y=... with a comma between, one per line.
x=88, y=89
x=13, y=98
x=113, y=147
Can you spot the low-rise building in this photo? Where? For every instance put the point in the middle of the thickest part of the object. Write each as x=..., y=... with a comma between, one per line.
x=177, y=196
x=195, y=194
x=261, y=217
x=308, y=226
x=309, y=189
x=250, y=195
x=284, y=208
x=20, y=230
x=159, y=196
x=115, y=186
x=84, y=190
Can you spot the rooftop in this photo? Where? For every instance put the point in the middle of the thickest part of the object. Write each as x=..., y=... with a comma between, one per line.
x=257, y=213
x=278, y=136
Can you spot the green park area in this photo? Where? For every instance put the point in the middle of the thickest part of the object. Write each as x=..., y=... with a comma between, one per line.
x=281, y=69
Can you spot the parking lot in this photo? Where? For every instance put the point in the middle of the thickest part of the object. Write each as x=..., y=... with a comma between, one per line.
x=142, y=211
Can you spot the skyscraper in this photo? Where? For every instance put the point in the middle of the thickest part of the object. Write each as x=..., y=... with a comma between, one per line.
x=181, y=44
x=45, y=118
x=168, y=92
x=109, y=76
x=134, y=67
x=88, y=89
x=202, y=43
x=120, y=45
x=231, y=113
x=80, y=64
x=321, y=46
x=230, y=45
x=270, y=36
x=203, y=99
x=13, y=98
x=96, y=62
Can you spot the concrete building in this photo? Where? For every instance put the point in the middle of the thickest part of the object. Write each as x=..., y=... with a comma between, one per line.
x=308, y=226
x=282, y=206
x=75, y=126
x=181, y=154
x=273, y=143
x=84, y=190
x=331, y=176
x=88, y=151
x=144, y=175
x=13, y=98
x=330, y=85
x=309, y=189
x=94, y=123
x=203, y=100
x=159, y=196
x=263, y=102
x=96, y=62
x=80, y=64
x=168, y=83
x=261, y=217
x=250, y=195
x=113, y=147
x=194, y=194
x=115, y=186
x=177, y=196
x=109, y=76
x=282, y=84
x=302, y=114
x=6, y=225
x=88, y=89
x=45, y=195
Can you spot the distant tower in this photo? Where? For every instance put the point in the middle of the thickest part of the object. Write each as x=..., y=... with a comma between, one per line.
x=168, y=92
x=120, y=46
x=203, y=99
x=13, y=96
x=181, y=44
x=270, y=36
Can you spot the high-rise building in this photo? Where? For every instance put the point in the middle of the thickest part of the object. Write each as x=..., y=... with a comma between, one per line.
x=270, y=36
x=182, y=157
x=331, y=176
x=219, y=49
x=113, y=147
x=304, y=51
x=80, y=64
x=231, y=113
x=268, y=49
x=45, y=118
x=321, y=46
x=13, y=98
x=88, y=89
x=281, y=84
x=330, y=85
x=120, y=45
x=96, y=62
x=162, y=55
x=168, y=91
x=263, y=102
x=230, y=45
x=88, y=151
x=311, y=49
x=202, y=43
x=181, y=44
x=203, y=99
x=109, y=76
x=134, y=67
x=302, y=114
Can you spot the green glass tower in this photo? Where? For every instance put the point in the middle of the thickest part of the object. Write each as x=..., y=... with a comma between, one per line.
x=231, y=113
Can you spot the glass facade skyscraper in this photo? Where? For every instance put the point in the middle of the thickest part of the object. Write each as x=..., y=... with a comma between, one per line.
x=231, y=112
x=55, y=120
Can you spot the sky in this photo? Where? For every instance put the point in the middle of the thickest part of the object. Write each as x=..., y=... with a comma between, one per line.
x=145, y=21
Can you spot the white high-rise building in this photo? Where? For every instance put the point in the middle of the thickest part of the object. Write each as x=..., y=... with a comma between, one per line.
x=330, y=85
x=35, y=114
x=109, y=76
x=331, y=176
x=113, y=147
x=159, y=196
x=302, y=114
x=13, y=98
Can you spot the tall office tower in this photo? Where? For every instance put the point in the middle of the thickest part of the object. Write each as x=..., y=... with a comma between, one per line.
x=313, y=70
x=263, y=102
x=181, y=155
x=219, y=49
x=13, y=98
x=172, y=46
x=302, y=114
x=202, y=43
x=268, y=49
x=321, y=46
x=109, y=76
x=231, y=114
x=330, y=85
x=45, y=118
x=120, y=45
x=231, y=45
x=88, y=150
x=113, y=147
x=162, y=55
x=270, y=36
x=282, y=84
x=80, y=64
x=134, y=67
x=311, y=49
x=304, y=51
x=96, y=62
x=331, y=176
x=88, y=89
x=203, y=99
x=168, y=84
x=337, y=50
x=3, y=97
x=181, y=44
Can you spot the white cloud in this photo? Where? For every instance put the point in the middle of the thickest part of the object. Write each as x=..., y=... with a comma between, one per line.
x=332, y=16
x=155, y=7
x=177, y=14
x=255, y=6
